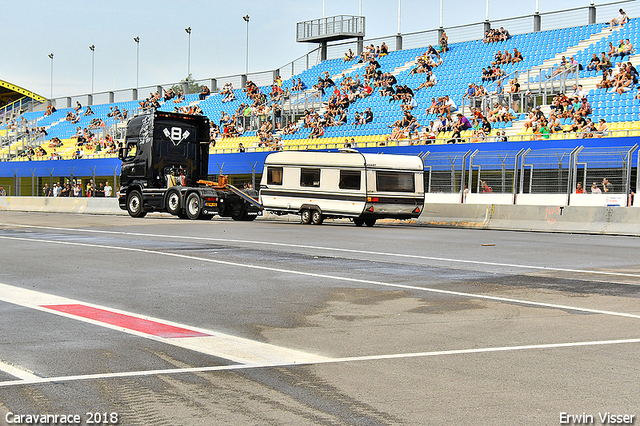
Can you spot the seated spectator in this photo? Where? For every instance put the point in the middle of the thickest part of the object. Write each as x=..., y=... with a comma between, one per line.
x=605, y=62
x=627, y=49
x=504, y=34
x=602, y=129
x=498, y=58
x=348, y=56
x=397, y=133
x=585, y=108
x=623, y=83
x=588, y=129
x=204, y=93
x=543, y=130
x=578, y=123
x=179, y=98
x=620, y=20
x=607, y=80
x=554, y=124
x=459, y=126
x=517, y=56
x=593, y=64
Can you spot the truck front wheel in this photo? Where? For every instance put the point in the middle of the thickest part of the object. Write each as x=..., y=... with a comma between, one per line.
x=134, y=205
x=193, y=206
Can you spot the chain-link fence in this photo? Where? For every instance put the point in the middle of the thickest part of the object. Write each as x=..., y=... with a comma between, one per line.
x=444, y=171
x=534, y=171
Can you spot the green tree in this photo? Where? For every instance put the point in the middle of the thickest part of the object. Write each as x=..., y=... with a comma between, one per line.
x=193, y=86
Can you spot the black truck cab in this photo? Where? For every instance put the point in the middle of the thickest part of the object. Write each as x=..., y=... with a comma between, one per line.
x=164, y=157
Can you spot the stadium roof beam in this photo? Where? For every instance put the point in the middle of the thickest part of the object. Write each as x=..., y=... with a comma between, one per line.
x=12, y=88
x=331, y=28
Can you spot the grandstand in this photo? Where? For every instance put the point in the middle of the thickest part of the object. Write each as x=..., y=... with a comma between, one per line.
x=461, y=66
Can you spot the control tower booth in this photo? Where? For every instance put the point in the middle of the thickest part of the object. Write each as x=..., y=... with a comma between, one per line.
x=333, y=28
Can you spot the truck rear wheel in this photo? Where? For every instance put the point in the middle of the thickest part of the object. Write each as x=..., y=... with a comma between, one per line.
x=243, y=214
x=305, y=216
x=193, y=206
x=172, y=201
x=134, y=204
x=317, y=218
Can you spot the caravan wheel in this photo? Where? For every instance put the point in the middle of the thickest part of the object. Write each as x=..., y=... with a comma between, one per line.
x=358, y=221
x=317, y=218
x=305, y=216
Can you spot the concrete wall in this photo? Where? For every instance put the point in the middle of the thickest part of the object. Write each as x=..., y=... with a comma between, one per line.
x=581, y=219
x=598, y=220
x=62, y=205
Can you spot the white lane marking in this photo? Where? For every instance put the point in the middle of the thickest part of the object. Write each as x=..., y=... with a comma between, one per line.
x=321, y=362
x=335, y=277
x=18, y=372
x=221, y=345
x=334, y=249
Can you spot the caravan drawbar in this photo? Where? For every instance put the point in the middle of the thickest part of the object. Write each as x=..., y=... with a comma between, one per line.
x=345, y=184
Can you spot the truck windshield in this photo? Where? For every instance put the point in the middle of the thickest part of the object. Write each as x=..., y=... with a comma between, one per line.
x=395, y=182
x=131, y=150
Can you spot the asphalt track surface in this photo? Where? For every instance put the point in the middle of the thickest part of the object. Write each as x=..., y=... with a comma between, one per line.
x=170, y=322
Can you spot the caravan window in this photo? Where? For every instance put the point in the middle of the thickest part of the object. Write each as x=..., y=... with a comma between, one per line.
x=274, y=175
x=349, y=179
x=395, y=182
x=310, y=177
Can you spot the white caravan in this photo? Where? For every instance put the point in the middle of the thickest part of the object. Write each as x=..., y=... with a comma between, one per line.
x=364, y=187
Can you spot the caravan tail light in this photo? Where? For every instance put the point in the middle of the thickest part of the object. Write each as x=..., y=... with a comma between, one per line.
x=372, y=199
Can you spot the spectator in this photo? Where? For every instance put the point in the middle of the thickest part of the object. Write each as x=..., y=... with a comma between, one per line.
x=461, y=125
x=605, y=62
x=621, y=20
x=593, y=64
x=108, y=190
x=444, y=42
x=606, y=185
x=517, y=56
x=595, y=189
x=204, y=93
x=46, y=190
x=602, y=130
x=579, y=188
x=485, y=188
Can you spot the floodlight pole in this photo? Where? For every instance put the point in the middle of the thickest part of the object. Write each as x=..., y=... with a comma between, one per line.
x=399, y=14
x=93, y=53
x=246, y=62
x=188, y=30
x=137, y=40
x=51, y=80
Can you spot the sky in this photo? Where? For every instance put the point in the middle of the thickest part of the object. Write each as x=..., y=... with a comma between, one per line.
x=34, y=29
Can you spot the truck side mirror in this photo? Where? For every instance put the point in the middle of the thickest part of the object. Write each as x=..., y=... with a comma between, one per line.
x=122, y=153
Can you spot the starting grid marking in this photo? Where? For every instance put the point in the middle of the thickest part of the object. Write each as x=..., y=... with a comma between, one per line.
x=232, y=348
x=249, y=354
